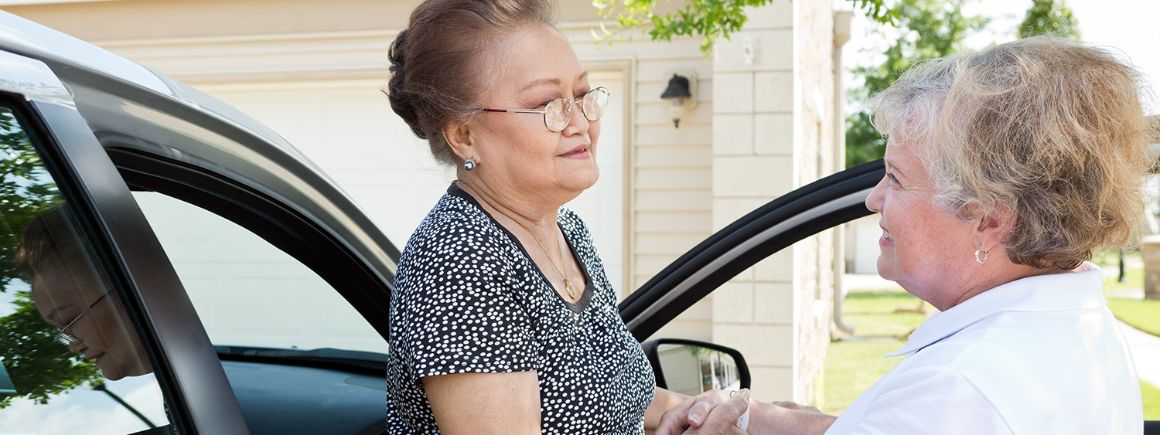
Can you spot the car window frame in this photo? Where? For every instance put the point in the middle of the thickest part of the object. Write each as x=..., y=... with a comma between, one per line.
x=801, y=213
x=197, y=395
x=308, y=242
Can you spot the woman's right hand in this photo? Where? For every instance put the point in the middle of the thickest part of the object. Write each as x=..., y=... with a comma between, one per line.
x=694, y=412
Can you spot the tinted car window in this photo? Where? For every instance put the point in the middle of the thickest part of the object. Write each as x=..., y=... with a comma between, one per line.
x=70, y=359
x=249, y=293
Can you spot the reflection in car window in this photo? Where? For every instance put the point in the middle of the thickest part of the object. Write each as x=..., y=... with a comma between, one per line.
x=246, y=291
x=71, y=361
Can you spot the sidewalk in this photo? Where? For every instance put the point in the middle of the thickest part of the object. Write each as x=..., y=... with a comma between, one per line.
x=1145, y=351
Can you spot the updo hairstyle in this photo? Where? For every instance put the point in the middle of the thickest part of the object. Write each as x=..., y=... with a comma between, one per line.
x=445, y=58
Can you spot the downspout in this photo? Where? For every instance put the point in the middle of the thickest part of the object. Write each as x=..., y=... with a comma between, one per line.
x=841, y=36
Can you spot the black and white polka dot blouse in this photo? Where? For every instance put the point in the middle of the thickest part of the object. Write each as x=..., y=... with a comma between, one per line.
x=468, y=298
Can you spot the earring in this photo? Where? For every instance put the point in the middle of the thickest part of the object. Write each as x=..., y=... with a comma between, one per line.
x=981, y=256
x=469, y=164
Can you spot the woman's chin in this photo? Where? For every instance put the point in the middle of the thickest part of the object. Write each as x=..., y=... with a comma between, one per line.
x=582, y=180
x=116, y=370
x=111, y=373
x=884, y=269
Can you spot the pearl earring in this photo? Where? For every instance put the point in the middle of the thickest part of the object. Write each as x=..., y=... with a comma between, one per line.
x=469, y=164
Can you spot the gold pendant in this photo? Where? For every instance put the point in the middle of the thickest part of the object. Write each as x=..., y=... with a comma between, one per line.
x=571, y=290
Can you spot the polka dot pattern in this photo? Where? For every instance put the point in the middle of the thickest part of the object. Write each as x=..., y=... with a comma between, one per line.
x=468, y=299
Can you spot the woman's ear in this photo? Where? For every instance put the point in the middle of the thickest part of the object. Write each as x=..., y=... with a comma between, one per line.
x=996, y=226
x=458, y=137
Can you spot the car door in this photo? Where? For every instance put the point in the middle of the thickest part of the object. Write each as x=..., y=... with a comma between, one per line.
x=821, y=205
x=81, y=265
x=297, y=319
x=270, y=272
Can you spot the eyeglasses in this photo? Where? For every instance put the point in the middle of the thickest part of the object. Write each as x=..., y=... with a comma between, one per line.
x=558, y=113
x=63, y=336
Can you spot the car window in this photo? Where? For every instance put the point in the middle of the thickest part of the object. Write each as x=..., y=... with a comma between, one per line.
x=70, y=359
x=247, y=292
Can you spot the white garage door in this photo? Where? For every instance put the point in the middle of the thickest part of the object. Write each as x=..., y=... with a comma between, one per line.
x=349, y=130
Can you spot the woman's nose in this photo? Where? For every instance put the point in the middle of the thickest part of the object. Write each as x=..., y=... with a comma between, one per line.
x=577, y=121
x=874, y=200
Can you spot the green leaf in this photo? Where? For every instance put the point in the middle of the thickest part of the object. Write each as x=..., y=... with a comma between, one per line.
x=708, y=19
x=930, y=29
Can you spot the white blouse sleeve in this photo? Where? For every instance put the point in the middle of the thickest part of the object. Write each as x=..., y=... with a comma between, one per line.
x=928, y=401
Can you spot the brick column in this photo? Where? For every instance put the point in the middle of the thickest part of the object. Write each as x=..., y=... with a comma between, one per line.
x=773, y=132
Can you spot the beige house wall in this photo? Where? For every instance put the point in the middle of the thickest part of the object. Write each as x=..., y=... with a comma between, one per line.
x=757, y=131
x=754, y=160
x=774, y=124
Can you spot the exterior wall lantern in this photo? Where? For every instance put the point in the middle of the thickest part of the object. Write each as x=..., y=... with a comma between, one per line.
x=680, y=94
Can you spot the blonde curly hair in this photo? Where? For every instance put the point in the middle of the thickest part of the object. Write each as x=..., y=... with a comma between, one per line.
x=1047, y=128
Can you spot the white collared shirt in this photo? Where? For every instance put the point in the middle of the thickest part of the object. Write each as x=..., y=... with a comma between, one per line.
x=1039, y=355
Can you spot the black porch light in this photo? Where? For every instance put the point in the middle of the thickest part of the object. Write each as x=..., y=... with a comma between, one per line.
x=677, y=94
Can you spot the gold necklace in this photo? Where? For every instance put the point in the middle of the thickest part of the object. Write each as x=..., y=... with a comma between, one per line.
x=567, y=283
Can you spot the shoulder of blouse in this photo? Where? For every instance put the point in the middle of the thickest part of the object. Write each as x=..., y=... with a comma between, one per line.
x=571, y=222
x=454, y=221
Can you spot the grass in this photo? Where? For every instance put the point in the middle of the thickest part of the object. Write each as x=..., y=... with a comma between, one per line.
x=882, y=318
x=852, y=367
x=1134, y=275
x=884, y=312
x=1122, y=296
x=1141, y=314
x=1133, y=280
x=1151, y=401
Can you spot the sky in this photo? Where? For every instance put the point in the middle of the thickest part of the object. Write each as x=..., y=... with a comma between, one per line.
x=1131, y=27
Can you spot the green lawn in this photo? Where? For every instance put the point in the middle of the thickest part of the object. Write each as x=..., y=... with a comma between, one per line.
x=1141, y=314
x=1122, y=296
x=1151, y=401
x=852, y=367
x=881, y=318
x=884, y=312
x=1133, y=278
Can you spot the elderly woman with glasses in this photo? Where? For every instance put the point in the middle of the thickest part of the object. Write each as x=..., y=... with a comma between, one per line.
x=1005, y=169
x=71, y=296
x=502, y=317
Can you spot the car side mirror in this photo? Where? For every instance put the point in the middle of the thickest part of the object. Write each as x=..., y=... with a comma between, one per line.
x=692, y=367
x=6, y=386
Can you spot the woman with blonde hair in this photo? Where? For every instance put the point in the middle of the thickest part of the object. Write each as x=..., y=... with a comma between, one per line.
x=1005, y=169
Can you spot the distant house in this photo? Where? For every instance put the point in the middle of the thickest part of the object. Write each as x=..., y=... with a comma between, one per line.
x=767, y=119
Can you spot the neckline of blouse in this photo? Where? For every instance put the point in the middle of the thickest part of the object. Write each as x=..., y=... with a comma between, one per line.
x=585, y=295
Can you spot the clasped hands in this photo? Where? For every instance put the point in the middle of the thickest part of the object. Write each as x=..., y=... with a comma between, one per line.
x=718, y=412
